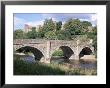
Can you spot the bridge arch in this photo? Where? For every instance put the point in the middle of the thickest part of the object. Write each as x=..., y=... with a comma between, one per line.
x=68, y=52
x=85, y=51
x=37, y=53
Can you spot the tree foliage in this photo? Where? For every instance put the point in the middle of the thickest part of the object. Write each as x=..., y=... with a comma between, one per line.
x=18, y=34
x=85, y=26
x=50, y=35
x=55, y=30
x=74, y=26
x=49, y=25
x=32, y=34
x=58, y=25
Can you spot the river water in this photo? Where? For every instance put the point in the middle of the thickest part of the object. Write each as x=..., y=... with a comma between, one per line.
x=31, y=59
x=25, y=57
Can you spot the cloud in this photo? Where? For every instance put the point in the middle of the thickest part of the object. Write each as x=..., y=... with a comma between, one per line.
x=35, y=23
x=84, y=20
x=49, y=16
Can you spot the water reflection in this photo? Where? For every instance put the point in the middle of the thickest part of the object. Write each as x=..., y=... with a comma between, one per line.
x=29, y=59
x=25, y=57
x=73, y=63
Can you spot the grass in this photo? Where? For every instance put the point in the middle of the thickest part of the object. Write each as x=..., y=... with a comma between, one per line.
x=24, y=68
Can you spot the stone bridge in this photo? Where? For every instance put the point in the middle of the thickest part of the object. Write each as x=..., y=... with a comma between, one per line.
x=47, y=47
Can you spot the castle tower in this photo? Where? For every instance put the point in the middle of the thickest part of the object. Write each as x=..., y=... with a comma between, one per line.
x=27, y=28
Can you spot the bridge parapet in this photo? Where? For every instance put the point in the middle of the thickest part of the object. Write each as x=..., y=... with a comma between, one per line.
x=25, y=41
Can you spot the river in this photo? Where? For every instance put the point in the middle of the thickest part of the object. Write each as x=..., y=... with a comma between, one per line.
x=74, y=63
x=25, y=57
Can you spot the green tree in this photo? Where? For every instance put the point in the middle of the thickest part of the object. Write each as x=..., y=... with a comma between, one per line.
x=50, y=35
x=49, y=25
x=58, y=25
x=41, y=33
x=18, y=34
x=32, y=34
x=74, y=26
x=67, y=34
x=63, y=35
x=33, y=28
x=95, y=38
x=95, y=30
x=85, y=25
x=93, y=35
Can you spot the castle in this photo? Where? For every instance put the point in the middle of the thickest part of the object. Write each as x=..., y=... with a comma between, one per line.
x=28, y=28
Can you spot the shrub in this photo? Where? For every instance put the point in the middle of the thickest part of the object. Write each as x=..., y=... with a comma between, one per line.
x=58, y=52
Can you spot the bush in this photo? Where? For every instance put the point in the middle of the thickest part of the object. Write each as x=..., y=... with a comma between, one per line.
x=58, y=52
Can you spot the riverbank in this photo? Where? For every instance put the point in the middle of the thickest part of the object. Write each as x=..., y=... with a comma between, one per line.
x=24, y=68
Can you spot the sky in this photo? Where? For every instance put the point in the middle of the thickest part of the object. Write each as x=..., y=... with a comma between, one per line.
x=34, y=19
